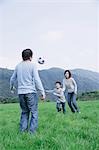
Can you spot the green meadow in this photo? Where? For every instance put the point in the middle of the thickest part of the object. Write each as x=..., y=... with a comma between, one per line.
x=56, y=131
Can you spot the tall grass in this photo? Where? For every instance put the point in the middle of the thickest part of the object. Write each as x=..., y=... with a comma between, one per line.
x=56, y=131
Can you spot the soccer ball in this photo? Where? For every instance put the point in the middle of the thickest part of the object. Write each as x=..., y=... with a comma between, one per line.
x=41, y=61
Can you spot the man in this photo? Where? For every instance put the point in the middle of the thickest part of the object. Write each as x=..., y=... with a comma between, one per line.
x=28, y=80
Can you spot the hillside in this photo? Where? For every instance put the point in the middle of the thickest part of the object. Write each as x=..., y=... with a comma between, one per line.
x=86, y=80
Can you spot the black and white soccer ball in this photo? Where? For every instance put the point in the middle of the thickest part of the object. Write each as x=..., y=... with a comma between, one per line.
x=41, y=60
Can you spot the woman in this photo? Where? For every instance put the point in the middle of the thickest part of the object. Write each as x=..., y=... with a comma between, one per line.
x=69, y=84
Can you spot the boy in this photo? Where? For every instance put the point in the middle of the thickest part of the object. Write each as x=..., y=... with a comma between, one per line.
x=28, y=79
x=58, y=91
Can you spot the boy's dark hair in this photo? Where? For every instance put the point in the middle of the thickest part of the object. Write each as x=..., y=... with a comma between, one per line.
x=26, y=54
x=68, y=72
x=58, y=82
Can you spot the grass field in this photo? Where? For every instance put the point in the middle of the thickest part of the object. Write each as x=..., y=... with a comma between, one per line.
x=56, y=131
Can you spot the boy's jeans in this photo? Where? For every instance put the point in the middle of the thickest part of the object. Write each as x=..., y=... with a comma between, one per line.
x=63, y=107
x=29, y=104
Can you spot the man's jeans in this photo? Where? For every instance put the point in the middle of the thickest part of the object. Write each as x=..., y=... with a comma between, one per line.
x=29, y=104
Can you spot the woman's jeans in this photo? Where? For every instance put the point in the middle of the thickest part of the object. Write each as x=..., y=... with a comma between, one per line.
x=71, y=98
x=29, y=104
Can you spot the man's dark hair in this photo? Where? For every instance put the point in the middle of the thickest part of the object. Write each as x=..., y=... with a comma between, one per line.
x=68, y=72
x=26, y=54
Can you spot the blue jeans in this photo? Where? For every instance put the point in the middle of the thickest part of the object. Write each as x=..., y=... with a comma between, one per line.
x=59, y=108
x=29, y=104
x=71, y=97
